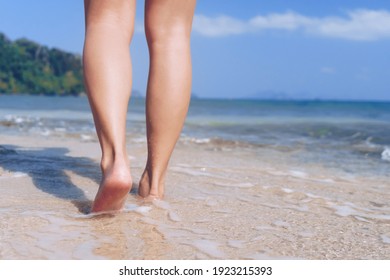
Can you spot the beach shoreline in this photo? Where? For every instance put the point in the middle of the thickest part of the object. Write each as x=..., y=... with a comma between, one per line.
x=222, y=202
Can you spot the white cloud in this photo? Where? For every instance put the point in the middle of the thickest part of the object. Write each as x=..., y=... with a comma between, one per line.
x=287, y=21
x=362, y=24
x=219, y=26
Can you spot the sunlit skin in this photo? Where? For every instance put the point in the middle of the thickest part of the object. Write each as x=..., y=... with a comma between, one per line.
x=107, y=73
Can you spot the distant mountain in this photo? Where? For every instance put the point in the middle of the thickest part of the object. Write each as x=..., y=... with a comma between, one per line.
x=137, y=94
x=281, y=95
x=28, y=67
x=271, y=94
x=194, y=96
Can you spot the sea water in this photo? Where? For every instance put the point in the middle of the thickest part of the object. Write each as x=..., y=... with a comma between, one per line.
x=351, y=135
x=248, y=179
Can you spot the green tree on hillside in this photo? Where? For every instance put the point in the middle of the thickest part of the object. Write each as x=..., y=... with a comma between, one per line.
x=28, y=67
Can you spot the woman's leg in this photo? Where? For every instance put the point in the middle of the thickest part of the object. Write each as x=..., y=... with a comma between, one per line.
x=168, y=28
x=107, y=73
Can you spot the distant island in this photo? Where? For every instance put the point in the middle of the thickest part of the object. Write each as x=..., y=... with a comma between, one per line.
x=28, y=67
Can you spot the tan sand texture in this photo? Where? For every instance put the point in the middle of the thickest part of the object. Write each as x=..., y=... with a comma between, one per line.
x=223, y=201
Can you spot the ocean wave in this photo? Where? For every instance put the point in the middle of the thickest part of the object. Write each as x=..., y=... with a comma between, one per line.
x=386, y=154
x=15, y=120
x=196, y=140
x=6, y=151
x=19, y=124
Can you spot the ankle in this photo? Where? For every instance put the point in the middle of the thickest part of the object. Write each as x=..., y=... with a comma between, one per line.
x=155, y=180
x=116, y=160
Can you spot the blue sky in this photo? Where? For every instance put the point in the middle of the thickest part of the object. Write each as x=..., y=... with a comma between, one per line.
x=296, y=49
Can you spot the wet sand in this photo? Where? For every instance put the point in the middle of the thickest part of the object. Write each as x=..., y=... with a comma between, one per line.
x=223, y=201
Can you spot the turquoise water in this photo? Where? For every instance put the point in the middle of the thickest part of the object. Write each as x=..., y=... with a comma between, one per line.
x=354, y=136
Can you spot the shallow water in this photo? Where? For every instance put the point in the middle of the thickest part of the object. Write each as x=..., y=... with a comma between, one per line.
x=319, y=197
x=354, y=136
x=219, y=205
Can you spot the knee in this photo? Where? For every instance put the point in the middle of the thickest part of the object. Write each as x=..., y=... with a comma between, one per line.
x=175, y=36
x=112, y=27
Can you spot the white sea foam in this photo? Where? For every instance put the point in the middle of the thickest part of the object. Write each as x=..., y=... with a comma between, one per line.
x=349, y=209
x=386, y=154
x=161, y=204
x=238, y=244
x=385, y=239
x=85, y=137
x=8, y=175
x=191, y=171
x=201, y=141
x=15, y=119
x=235, y=184
x=137, y=209
x=19, y=120
x=46, y=132
x=142, y=209
x=345, y=210
x=298, y=174
x=173, y=216
x=208, y=247
x=19, y=174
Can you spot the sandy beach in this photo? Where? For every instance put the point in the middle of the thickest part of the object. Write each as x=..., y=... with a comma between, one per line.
x=280, y=110
x=223, y=201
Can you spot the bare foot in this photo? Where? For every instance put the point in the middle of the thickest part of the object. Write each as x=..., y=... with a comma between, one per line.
x=113, y=190
x=147, y=191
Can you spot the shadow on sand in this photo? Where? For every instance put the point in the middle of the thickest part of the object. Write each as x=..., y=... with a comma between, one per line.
x=47, y=166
